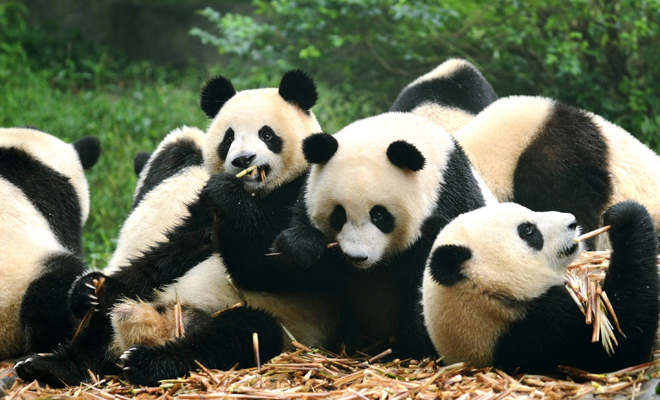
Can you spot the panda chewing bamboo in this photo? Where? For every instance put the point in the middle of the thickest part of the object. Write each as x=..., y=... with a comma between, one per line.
x=226, y=215
x=494, y=291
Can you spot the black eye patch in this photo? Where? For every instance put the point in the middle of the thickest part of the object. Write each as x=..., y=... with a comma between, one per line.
x=531, y=235
x=223, y=149
x=268, y=136
x=338, y=218
x=382, y=219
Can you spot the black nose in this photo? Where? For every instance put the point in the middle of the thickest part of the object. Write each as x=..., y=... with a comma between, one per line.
x=243, y=161
x=573, y=225
x=357, y=258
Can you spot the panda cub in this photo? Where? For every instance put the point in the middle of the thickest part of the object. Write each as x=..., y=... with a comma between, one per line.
x=494, y=290
x=548, y=156
x=262, y=127
x=168, y=179
x=45, y=203
x=450, y=95
x=381, y=188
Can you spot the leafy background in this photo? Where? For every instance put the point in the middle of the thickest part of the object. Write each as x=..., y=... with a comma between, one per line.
x=595, y=54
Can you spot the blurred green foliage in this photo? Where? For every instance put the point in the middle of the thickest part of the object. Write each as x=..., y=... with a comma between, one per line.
x=71, y=88
x=595, y=54
x=600, y=55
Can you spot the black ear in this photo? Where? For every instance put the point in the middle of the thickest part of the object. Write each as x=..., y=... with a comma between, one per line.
x=298, y=88
x=215, y=93
x=89, y=150
x=140, y=161
x=446, y=264
x=319, y=148
x=405, y=155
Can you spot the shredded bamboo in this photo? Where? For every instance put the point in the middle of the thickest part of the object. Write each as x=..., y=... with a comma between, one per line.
x=318, y=374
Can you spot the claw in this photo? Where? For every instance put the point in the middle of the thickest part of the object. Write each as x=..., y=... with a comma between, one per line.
x=89, y=285
x=127, y=368
x=91, y=296
x=94, y=303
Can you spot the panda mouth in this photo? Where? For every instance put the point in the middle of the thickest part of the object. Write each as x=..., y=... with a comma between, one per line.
x=568, y=251
x=255, y=173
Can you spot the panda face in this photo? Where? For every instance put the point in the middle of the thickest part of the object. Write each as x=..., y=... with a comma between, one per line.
x=259, y=128
x=375, y=187
x=513, y=252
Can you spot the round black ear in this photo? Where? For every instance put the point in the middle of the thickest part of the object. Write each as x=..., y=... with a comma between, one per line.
x=215, y=93
x=140, y=161
x=319, y=148
x=298, y=88
x=405, y=155
x=446, y=264
x=89, y=150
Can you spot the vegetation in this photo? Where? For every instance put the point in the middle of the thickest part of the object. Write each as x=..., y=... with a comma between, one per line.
x=596, y=54
x=599, y=55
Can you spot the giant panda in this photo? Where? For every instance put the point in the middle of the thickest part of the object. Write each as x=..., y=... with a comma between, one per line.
x=451, y=95
x=494, y=291
x=45, y=203
x=381, y=188
x=549, y=156
x=262, y=127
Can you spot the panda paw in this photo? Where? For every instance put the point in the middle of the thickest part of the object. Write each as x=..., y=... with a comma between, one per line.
x=48, y=369
x=300, y=246
x=94, y=289
x=223, y=191
x=146, y=366
x=628, y=220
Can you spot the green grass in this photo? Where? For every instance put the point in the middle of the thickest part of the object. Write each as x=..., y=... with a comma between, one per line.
x=126, y=120
x=127, y=116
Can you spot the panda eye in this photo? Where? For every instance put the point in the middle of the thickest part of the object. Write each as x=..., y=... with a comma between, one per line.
x=266, y=134
x=382, y=219
x=223, y=148
x=338, y=218
x=531, y=235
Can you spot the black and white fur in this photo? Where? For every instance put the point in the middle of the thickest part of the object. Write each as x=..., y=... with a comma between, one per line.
x=549, y=156
x=381, y=188
x=494, y=291
x=262, y=127
x=450, y=95
x=45, y=203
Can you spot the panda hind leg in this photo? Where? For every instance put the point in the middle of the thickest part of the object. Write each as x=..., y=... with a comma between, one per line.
x=218, y=342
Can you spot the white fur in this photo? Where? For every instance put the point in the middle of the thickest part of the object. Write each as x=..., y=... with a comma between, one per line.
x=451, y=119
x=498, y=135
x=25, y=235
x=360, y=176
x=246, y=113
x=502, y=268
x=311, y=319
x=446, y=68
x=26, y=240
x=54, y=153
x=161, y=208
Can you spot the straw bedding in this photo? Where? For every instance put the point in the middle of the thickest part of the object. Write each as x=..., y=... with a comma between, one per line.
x=319, y=374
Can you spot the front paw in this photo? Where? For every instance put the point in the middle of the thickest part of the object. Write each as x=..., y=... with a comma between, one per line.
x=84, y=293
x=146, y=366
x=627, y=219
x=223, y=190
x=300, y=246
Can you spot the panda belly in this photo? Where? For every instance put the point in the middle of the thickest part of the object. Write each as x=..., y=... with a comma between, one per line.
x=159, y=210
x=27, y=241
x=312, y=320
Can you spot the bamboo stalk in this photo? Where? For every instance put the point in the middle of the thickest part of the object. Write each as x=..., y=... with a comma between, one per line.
x=591, y=234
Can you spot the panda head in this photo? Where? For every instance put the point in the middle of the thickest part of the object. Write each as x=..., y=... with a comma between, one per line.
x=505, y=251
x=372, y=185
x=259, y=127
x=484, y=269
